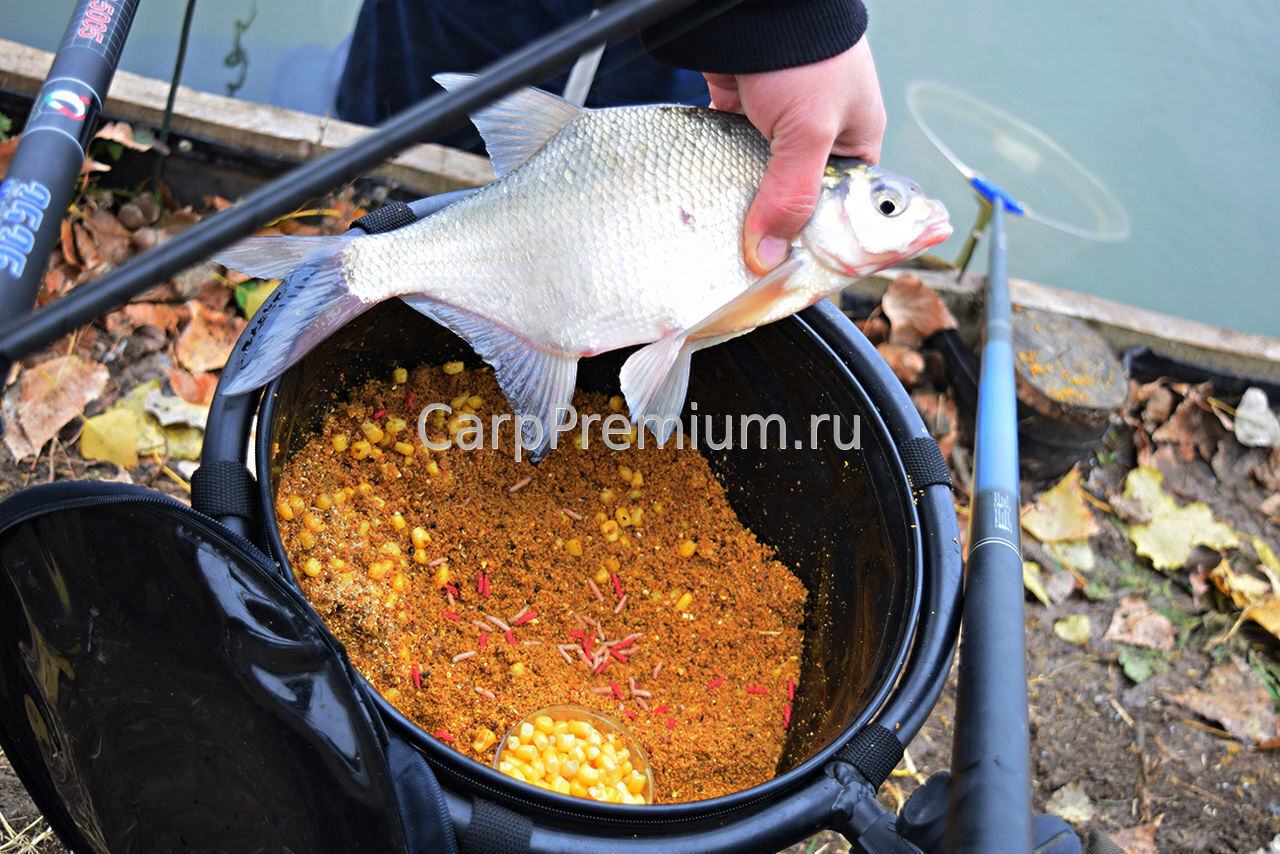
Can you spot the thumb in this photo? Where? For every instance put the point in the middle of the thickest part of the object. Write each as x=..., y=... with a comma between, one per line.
x=787, y=196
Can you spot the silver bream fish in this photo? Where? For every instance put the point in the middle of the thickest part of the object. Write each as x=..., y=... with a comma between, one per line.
x=603, y=229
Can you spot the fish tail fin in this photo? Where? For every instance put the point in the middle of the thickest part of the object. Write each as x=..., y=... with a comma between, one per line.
x=655, y=380
x=311, y=302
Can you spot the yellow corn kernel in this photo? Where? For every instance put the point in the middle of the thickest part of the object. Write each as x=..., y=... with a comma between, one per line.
x=418, y=536
x=617, y=402
x=635, y=495
x=637, y=480
x=579, y=442
x=607, y=496
x=540, y=740
x=687, y=548
x=625, y=473
x=362, y=529
x=565, y=740
x=283, y=509
x=634, y=782
x=391, y=600
x=574, y=547
x=395, y=425
x=337, y=563
x=483, y=740
x=433, y=467
x=340, y=443
x=610, y=530
x=340, y=496
x=360, y=449
x=372, y=432
x=601, y=576
x=306, y=539
x=475, y=401
x=561, y=785
x=637, y=516
x=375, y=453
x=544, y=724
x=657, y=508
x=398, y=522
x=452, y=368
x=312, y=567
x=517, y=669
x=686, y=599
x=391, y=549
x=579, y=728
x=313, y=522
x=324, y=501
x=297, y=504
x=399, y=376
x=398, y=583
x=526, y=732
x=623, y=516
x=442, y=576
x=405, y=448
x=379, y=568
x=588, y=774
x=612, y=564
x=577, y=789
x=420, y=556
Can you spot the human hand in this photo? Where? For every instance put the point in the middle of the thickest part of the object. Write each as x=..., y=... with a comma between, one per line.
x=807, y=113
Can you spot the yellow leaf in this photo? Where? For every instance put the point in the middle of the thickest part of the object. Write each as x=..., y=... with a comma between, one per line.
x=1270, y=563
x=1243, y=589
x=1266, y=615
x=1032, y=581
x=254, y=299
x=1073, y=629
x=1167, y=539
x=1061, y=513
x=111, y=437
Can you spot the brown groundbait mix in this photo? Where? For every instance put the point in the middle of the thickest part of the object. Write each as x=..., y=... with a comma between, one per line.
x=472, y=589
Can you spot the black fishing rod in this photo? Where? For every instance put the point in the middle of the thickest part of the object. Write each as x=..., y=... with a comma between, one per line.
x=42, y=176
x=990, y=788
x=430, y=119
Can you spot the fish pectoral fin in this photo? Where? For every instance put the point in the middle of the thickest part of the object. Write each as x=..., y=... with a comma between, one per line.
x=750, y=308
x=537, y=383
x=515, y=127
x=655, y=380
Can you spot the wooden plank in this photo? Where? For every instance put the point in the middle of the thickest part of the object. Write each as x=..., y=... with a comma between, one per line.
x=265, y=130
x=1121, y=326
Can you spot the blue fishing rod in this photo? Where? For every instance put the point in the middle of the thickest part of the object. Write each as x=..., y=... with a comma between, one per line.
x=990, y=791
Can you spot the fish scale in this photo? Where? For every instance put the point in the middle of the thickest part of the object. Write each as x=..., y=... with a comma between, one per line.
x=602, y=229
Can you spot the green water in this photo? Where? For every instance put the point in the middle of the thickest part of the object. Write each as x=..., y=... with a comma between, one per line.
x=1175, y=107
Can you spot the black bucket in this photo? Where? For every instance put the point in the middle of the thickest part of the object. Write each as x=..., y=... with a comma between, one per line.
x=870, y=531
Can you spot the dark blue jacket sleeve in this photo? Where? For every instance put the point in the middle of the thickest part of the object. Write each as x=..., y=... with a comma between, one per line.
x=756, y=35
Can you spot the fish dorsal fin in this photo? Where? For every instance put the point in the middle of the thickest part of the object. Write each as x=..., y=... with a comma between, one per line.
x=516, y=126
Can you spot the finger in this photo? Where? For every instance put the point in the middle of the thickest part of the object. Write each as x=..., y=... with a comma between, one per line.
x=724, y=92
x=786, y=198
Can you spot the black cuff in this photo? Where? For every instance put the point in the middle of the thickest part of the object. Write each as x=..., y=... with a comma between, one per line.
x=756, y=35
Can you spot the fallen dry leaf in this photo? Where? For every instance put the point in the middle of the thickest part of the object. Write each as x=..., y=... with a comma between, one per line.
x=1071, y=804
x=1242, y=588
x=1266, y=615
x=915, y=311
x=1033, y=580
x=906, y=363
x=1138, y=840
x=206, y=342
x=1167, y=539
x=1235, y=697
x=54, y=392
x=1073, y=629
x=1138, y=624
x=1192, y=426
x=111, y=437
x=193, y=388
x=1060, y=513
x=122, y=133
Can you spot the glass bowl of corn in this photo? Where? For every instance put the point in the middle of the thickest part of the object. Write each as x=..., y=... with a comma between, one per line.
x=576, y=752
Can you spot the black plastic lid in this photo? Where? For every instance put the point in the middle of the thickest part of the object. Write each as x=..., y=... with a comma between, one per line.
x=163, y=688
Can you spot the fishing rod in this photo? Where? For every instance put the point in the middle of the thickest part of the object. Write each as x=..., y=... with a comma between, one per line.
x=430, y=119
x=990, y=790
x=42, y=176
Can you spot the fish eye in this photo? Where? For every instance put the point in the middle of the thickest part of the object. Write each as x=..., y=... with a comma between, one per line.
x=887, y=200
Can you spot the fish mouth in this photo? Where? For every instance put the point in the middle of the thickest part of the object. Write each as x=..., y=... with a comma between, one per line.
x=937, y=227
